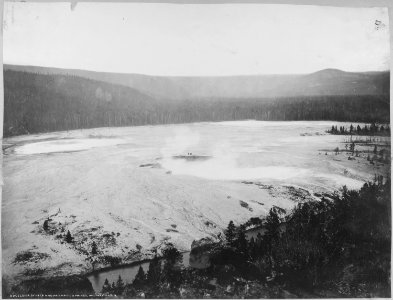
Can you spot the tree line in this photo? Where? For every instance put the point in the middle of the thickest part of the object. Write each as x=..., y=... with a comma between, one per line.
x=372, y=129
x=36, y=103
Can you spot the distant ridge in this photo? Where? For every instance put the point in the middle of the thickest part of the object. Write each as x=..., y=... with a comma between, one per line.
x=44, y=99
x=327, y=82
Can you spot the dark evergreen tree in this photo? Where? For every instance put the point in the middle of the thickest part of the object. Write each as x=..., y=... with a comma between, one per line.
x=119, y=286
x=154, y=272
x=241, y=241
x=272, y=225
x=68, y=237
x=94, y=248
x=171, y=273
x=230, y=233
x=140, y=278
x=106, y=288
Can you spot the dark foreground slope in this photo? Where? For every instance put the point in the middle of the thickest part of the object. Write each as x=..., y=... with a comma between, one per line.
x=38, y=102
x=335, y=247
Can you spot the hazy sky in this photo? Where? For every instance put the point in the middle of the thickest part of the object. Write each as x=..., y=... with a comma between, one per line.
x=215, y=39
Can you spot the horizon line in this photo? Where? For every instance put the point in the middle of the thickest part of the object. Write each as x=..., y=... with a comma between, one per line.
x=194, y=76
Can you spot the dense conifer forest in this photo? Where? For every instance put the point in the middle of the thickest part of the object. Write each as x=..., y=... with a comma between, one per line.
x=36, y=103
x=336, y=247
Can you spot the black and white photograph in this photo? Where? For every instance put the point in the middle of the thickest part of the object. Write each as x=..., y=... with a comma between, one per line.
x=196, y=150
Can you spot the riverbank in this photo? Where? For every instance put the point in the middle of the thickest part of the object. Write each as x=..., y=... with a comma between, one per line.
x=126, y=271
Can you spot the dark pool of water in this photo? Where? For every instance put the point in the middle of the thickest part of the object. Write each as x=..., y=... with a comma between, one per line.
x=127, y=273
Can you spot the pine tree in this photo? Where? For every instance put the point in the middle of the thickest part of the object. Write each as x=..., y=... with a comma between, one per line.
x=68, y=237
x=140, y=278
x=230, y=233
x=241, y=241
x=171, y=273
x=106, y=288
x=119, y=286
x=173, y=263
x=113, y=288
x=272, y=226
x=94, y=248
x=154, y=272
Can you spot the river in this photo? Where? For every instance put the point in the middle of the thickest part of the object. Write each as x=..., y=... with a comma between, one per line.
x=127, y=273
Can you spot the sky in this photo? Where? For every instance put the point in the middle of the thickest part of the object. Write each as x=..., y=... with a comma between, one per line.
x=196, y=39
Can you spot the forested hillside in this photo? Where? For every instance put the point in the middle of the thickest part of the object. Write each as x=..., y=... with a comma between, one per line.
x=41, y=103
x=322, y=83
x=46, y=102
